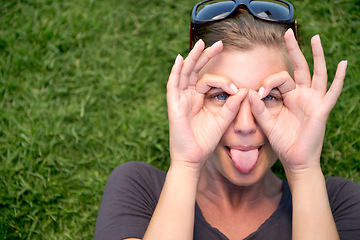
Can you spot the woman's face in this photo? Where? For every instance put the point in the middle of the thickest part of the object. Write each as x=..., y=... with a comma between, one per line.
x=243, y=155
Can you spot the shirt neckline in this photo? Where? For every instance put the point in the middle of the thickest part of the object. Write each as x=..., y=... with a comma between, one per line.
x=284, y=202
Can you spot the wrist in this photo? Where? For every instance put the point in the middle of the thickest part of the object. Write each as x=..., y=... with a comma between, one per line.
x=185, y=170
x=299, y=177
x=301, y=173
x=191, y=163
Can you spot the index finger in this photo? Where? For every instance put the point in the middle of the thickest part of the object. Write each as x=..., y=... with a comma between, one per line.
x=301, y=68
x=208, y=81
x=204, y=58
x=281, y=80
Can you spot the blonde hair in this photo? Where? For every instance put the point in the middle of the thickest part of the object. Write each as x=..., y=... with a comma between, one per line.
x=244, y=32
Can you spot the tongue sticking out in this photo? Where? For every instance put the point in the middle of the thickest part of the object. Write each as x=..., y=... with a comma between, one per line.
x=244, y=161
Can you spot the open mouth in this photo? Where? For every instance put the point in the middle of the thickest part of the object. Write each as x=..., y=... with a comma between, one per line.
x=244, y=158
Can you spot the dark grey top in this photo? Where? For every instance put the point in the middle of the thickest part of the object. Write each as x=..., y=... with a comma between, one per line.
x=133, y=190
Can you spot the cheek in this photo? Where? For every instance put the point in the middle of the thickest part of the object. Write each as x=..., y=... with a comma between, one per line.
x=274, y=108
x=212, y=105
x=269, y=155
x=221, y=161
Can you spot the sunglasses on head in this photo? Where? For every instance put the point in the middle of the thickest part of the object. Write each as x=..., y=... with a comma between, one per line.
x=208, y=11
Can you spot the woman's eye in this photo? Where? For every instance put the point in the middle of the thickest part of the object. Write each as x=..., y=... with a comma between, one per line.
x=274, y=101
x=216, y=97
x=222, y=96
x=268, y=98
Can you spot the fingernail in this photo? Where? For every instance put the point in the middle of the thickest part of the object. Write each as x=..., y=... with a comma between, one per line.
x=216, y=43
x=198, y=42
x=290, y=30
x=261, y=92
x=234, y=88
x=178, y=57
x=250, y=91
x=346, y=61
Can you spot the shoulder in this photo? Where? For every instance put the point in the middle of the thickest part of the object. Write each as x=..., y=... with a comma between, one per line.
x=338, y=187
x=342, y=193
x=135, y=168
x=340, y=181
x=129, y=200
x=344, y=198
x=134, y=174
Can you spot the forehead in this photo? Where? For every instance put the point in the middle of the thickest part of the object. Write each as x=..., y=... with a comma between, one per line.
x=246, y=69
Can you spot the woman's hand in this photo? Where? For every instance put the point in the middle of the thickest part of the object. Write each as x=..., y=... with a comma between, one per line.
x=296, y=133
x=195, y=131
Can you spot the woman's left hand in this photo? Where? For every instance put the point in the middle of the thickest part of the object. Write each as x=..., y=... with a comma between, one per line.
x=296, y=134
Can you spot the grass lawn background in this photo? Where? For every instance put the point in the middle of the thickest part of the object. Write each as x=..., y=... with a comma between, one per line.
x=82, y=90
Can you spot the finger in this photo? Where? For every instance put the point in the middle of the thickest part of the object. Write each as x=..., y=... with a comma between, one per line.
x=281, y=80
x=205, y=57
x=230, y=109
x=319, y=82
x=301, y=68
x=335, y=89
x=189, y=64
x=262, y=115
x=174, y=78
x=208, y=81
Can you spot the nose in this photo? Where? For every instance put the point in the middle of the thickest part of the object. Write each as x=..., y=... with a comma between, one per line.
x=245, y=123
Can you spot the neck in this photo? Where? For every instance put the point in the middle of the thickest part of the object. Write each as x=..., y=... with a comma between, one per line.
x=218, y=191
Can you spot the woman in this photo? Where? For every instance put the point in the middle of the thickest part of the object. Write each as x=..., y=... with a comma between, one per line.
x=234, y=109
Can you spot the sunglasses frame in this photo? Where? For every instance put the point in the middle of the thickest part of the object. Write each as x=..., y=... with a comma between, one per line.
x=290, y=21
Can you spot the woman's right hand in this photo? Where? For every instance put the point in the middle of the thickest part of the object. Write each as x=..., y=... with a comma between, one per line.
x=194, y=130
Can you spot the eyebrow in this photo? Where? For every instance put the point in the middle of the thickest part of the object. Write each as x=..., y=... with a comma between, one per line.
x=276, y=89
x=216, y=89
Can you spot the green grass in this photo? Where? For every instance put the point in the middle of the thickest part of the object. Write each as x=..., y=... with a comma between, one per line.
x=82, y=90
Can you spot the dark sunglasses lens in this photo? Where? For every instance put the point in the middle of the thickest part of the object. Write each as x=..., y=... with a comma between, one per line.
x=273, y=10
x=213, y=10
